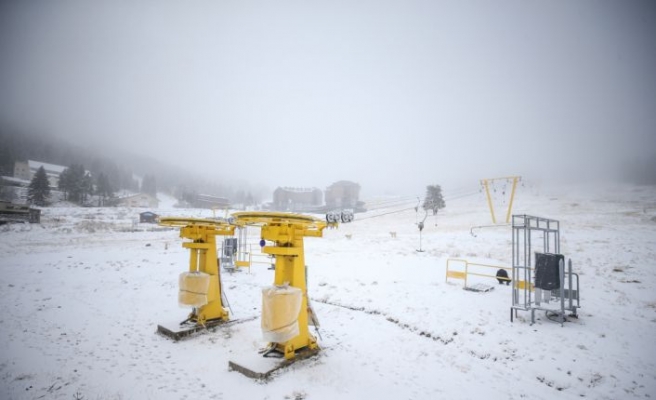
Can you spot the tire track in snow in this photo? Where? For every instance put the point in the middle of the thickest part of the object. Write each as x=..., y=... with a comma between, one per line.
x=428, y=335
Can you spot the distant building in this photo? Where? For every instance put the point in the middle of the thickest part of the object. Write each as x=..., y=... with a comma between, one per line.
x=141, y=200
x=11, y=212
x=343, y=194
x=25, y=170
x=296, y=199
x=209, y=201
x=148, y=217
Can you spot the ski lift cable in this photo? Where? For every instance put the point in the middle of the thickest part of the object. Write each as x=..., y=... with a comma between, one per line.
x=388, y=206
x=461, y=196
x=397, y=204
x=471, y=230
x=391, y=199
x=389, y=203
x=412, y=200
x=386, y=203
x=407, y=200
x=383, y=214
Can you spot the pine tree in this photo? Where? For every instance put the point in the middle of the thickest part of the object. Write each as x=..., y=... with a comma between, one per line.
x=434, y=200
x=104, y=188
x=86, y=188
x=65, y=182
x=39, y=190
x=76, y=183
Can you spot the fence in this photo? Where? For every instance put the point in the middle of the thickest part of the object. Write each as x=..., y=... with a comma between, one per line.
x=478, y=268
x=247, y=258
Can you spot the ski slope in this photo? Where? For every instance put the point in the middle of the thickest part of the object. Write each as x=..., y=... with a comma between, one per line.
x=83, y=292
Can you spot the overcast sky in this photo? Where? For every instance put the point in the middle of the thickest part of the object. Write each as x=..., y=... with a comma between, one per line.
x=390, y=94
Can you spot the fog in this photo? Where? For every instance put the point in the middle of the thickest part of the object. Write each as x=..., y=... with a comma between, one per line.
x=393, y=95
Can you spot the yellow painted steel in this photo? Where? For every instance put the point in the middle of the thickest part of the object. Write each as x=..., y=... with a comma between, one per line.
x=486, y=184
x=524, y=284
x=287, y=231
x=515, y=179
x=456, y=274
x=450, y=273
x=203, y=258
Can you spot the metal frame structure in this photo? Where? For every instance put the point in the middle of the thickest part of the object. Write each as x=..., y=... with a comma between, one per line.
x=486, y=184
x=525, y=230
x=228, y=253
x=242, y=254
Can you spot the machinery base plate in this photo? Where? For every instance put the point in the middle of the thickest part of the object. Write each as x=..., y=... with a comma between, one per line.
x=181, y=331
x=479, y=287
x=262, y=368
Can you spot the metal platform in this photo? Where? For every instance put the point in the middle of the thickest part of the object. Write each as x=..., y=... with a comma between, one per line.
x=479, y=287
x=182, y=330
x=262, y=368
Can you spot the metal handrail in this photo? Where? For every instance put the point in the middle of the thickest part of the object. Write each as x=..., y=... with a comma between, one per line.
x=463, y=275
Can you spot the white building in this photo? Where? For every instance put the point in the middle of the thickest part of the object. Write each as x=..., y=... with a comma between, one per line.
x=25, y=170
x=141, y=200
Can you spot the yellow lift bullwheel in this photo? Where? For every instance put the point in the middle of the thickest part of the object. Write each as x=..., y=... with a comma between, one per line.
x=279, y=317
x=200, y=287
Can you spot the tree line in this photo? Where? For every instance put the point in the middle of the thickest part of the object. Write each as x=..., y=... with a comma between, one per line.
x=78, y=185
x=119, y=169
x=22, y=147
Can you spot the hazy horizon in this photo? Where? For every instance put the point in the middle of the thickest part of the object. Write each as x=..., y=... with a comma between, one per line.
x=392, y=95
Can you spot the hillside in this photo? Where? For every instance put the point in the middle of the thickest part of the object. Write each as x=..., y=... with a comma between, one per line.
x=82, y=295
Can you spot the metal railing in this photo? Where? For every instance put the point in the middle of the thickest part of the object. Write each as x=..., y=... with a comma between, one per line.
x=463, y=274
x=247, y=258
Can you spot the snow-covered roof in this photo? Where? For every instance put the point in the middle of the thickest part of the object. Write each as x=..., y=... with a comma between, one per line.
x=299, y=189
x=125, y=196
x=48, y=167
x=14, y=179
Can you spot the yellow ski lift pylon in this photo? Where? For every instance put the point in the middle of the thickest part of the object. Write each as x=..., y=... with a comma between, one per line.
x=203, y=262
x=486, y=184
x=287, y=231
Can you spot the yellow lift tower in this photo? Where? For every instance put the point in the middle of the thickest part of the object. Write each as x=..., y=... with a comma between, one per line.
x=486, y=184
x=280, y=310
x=200, y=287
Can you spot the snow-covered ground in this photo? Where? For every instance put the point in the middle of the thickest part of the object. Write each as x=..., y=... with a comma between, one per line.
x=82, y=294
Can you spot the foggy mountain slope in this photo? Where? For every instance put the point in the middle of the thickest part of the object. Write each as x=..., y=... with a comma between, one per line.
x=120, y=162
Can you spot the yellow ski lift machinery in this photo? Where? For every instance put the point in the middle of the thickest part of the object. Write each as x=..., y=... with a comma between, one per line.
x=200, y=287
x=286, y=231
